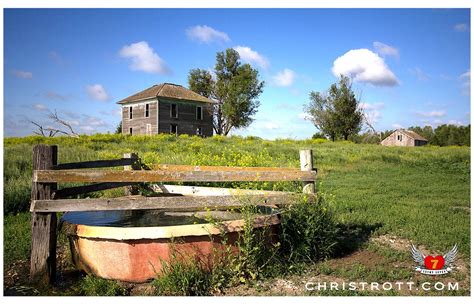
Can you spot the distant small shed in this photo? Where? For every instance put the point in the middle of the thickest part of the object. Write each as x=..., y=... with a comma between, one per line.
x=405, y=138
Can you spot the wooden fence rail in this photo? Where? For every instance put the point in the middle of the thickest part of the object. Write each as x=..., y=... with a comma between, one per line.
x=165, y=202
x=93, y=176
x=46, y=200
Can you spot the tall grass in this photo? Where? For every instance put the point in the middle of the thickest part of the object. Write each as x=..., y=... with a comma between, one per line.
x=409, y=192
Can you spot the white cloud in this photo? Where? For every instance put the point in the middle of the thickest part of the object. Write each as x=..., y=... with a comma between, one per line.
x=465, y=80
x=23, y=74
x=55, y=96
x=206, y=34
x=445, y=77
x=385, y=49
x=56, y=57
x=71, y=114
x=143, y=58
x=364, y=65
x=40, y=107
x=91, y=124
x=284, y=78
x=397, y=126
x=432, y=114
x=371, y=111
x=304, y=116
x=455, y=122
x=251, y=56
x=87, y=128
x=97, y=92
x=372, y=106
x=74, y=122
x=271, y=126
x=460, y=27
x=373, y=116
x=419, y=74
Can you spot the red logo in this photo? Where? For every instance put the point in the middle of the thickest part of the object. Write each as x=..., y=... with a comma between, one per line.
x=434, y=263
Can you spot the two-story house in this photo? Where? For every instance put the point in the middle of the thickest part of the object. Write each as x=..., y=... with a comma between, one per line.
x=167, y=108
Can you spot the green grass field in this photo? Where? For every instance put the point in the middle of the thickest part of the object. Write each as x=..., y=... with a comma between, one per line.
x=419, y=194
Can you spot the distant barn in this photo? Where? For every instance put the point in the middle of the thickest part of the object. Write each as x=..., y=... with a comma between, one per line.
x=167, y=108
x=405, y=138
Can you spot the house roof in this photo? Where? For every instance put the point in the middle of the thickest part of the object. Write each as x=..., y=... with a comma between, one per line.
x=167, y=90
x=413, y=135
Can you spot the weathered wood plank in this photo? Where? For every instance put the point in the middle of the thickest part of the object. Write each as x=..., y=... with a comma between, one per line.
x=95, y=164
x=170, y=202
x=43, y=225
x=71, y=191
x=132, y=190
x=92, y=176
x=183, y=168
x=306, y=165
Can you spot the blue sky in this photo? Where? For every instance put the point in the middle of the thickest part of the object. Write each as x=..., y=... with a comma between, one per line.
x=409, y=66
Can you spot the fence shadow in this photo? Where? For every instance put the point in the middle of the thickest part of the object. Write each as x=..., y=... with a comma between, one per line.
x=352, y=237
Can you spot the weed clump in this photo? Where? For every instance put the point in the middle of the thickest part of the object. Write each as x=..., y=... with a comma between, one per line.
x=94, y=286
x=308, y=231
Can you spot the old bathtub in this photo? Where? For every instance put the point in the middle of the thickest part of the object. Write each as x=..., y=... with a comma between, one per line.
x=131, y=245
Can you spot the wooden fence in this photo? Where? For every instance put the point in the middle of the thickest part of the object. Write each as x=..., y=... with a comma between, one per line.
x=46, y=199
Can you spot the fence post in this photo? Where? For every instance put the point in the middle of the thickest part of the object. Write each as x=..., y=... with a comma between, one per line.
x=132, y=190
x=43, y=225
x=306, y=163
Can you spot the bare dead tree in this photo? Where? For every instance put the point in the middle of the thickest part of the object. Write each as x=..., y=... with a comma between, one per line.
x=369, y=125
x=50, y=131
x=366, y=120
x=54, y=116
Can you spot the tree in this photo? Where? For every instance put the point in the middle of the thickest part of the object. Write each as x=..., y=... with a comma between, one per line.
x=118, y=130
x=50, y=131
x=321, y=112
x=235, y=89
x=336, y=113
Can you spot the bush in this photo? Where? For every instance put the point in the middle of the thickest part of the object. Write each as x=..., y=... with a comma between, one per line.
x=308, y=231
x=182, y=278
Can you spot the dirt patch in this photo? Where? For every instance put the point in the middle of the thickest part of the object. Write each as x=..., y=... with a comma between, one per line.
x=365, y=257
x=394, y=242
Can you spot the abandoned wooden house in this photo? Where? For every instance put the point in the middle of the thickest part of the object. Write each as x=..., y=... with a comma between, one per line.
x=167, y=108
x=404, y=137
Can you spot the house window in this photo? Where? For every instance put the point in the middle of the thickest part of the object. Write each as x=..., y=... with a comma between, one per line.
x=174, y=129
x=199, y=113
x=147, y=110
x=131, y=131
x=199, y=131
x=130, y=113
x=174, y=110
x=399, y=137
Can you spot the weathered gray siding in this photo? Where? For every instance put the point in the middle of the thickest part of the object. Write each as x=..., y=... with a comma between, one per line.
x=405, y=140
x=139, y=121
x=186, y=121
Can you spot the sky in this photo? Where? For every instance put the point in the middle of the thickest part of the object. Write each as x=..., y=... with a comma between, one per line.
x=409, y=66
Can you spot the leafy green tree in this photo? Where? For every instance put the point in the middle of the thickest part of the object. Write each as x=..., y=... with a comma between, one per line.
x=451, y=135
x=318, y=135
x=201, y=82
x=336, y=113
x=235, y=89
x=426, y=132
x=118, y=130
